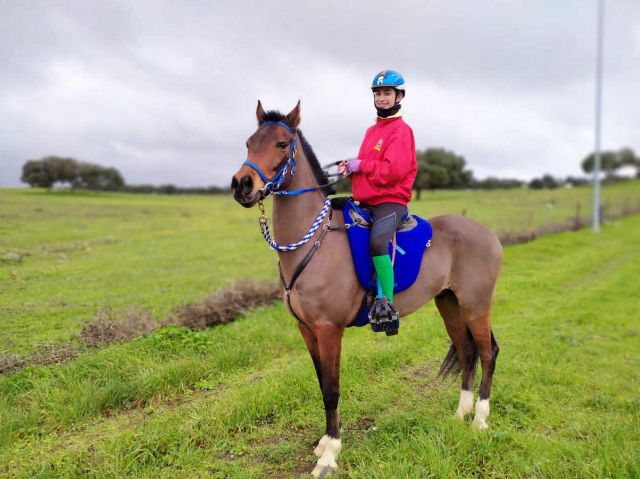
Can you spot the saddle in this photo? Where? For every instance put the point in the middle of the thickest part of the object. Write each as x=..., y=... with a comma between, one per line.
x=413, y=237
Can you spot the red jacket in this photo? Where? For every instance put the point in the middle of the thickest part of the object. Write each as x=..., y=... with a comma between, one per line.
x=389, y=166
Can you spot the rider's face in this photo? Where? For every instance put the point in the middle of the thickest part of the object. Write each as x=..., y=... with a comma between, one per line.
x=386, y=97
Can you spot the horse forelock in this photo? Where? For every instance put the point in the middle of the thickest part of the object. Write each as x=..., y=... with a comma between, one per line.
x=273, y=115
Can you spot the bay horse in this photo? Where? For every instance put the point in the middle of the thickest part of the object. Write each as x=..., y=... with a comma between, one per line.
x=320, y=287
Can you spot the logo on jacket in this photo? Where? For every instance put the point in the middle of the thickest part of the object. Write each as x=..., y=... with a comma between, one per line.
x=378, y=146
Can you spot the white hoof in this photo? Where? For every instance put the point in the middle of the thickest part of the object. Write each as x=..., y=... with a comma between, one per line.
x=327, y=462
x=321, y=445
x=482, y=413
x=465, y=405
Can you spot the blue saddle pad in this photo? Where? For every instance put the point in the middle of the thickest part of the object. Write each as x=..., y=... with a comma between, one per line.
x=411, y=245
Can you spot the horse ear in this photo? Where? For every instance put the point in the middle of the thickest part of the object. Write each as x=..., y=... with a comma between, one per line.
x=293, y=118
x=260, y=113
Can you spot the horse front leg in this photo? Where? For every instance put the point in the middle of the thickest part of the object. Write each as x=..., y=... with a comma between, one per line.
x=329, y=340
x=311, y=341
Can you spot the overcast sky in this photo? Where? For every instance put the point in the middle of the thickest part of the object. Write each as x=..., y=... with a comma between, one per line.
x=166, y=91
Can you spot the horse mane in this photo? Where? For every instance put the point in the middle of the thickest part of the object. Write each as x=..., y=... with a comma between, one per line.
x=320, y=175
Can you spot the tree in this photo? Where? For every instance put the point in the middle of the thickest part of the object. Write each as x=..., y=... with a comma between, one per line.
x=610, y=161
x=574, y=181
x=493, y=183
x=36, y=174
x=62, y=170
x=96, y=177
x=113, y=179
x=536, y=184
x=628, y=157
x=547, y=181
x=54, y=169
x=439, y=168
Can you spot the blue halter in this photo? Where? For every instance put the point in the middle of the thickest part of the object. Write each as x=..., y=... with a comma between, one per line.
x=273, y=185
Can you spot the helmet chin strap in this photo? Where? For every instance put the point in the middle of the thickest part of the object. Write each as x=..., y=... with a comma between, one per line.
x=387, y=112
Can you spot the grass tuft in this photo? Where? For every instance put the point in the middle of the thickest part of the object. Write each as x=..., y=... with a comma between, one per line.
x=110, y=327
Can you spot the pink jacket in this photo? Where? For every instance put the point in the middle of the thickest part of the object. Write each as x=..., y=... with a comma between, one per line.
x=389, y=166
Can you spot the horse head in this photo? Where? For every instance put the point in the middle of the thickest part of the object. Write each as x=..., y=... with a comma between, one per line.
x=271, y=151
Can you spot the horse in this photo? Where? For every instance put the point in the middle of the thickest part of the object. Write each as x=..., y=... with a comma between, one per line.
x=319, y=284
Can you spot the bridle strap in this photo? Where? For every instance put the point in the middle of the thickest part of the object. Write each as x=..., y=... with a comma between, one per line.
x=259, y=171
x=272, y=185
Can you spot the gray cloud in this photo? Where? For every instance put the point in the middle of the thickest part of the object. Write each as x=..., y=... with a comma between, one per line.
x=166, y=91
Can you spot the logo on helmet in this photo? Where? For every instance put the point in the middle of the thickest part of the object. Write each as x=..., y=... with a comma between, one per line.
x=380, y=79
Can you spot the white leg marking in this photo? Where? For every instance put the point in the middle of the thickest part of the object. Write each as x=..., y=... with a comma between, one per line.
x=482, y=413
x=321, y=445
x=328, y=459
x=465, y=405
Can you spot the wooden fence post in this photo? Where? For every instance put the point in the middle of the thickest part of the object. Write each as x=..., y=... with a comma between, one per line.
x=577, y=224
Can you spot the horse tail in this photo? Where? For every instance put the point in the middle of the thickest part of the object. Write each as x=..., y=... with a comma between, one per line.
x=451, y=363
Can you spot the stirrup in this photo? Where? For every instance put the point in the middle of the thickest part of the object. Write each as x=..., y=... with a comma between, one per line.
x=384, y=316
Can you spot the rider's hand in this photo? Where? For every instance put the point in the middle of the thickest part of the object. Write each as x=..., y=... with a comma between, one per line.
x=349, y=166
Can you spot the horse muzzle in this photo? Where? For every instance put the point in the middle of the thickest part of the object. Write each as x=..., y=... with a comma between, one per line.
x=243, y=190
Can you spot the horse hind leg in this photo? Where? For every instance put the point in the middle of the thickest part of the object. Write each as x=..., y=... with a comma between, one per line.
x=480, y=327
x=463, y=354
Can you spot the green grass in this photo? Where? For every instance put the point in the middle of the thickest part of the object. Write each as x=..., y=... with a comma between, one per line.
x=242, y=401
x=85, y=251
x=88, y=251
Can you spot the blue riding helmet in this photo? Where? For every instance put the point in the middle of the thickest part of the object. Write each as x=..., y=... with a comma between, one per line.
x=388, y=78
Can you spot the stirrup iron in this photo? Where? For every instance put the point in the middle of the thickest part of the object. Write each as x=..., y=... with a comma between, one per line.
x=384, y=316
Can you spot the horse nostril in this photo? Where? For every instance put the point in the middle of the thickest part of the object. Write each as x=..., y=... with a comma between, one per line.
x=234, y=183
x=247, y=184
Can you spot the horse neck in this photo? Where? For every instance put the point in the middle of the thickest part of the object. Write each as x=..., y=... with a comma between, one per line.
x=293, y=215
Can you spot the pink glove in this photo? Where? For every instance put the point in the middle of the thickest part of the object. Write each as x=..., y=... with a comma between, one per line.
x=351, y=166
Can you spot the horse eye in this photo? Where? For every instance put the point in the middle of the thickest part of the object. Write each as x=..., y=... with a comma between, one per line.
x=281, y=144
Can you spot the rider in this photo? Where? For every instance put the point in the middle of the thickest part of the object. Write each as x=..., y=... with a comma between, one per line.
x=383, y=175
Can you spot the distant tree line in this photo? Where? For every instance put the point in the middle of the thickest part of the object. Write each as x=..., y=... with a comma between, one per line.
x=611, y=162
x=439, y=168
x=175, y=190
x=50, y=171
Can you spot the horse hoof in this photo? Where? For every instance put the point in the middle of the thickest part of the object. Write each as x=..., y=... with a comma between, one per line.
x=327, y=462
x=482, y=413
x=321, y=471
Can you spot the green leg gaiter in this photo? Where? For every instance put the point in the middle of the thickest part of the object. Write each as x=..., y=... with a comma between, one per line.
x=384, y=269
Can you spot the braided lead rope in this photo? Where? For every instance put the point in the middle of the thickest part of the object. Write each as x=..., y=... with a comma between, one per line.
x=264, y=228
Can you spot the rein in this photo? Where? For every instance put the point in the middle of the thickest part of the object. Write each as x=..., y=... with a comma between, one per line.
x=264, y=228
x=274, y=184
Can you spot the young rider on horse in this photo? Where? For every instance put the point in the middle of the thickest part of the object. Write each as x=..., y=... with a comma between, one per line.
x=383, y=175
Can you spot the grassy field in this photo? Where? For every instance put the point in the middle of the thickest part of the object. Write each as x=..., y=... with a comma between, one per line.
x=158, y=252
x=178, y=403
